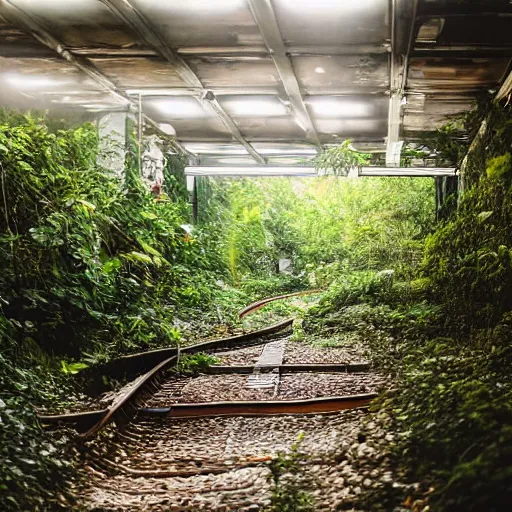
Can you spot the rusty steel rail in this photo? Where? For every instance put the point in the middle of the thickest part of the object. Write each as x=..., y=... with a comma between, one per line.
x=145, y=361
x=251, y=308
x=81, y=420
x=123, y=408
x=262, y=408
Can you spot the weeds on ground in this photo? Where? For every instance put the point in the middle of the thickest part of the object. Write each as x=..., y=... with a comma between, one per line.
x=195, y=363
x=290, y=485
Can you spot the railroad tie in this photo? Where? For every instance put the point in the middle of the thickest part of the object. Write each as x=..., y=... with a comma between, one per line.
x=270, y=358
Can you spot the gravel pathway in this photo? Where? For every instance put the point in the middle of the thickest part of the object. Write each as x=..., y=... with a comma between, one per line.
x=296, y=352
x=299, y=352
x=221, y=464
x=211, y=388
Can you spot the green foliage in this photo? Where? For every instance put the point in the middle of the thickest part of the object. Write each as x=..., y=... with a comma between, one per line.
x=87, y=262
x=325, y=225
x=34, y=468
x=91, y=265
x=273, y=285
x=468, y=258
x=290, y=491
x=499, y=166
x=196, y=363
x=453, y=402
x=340, y=159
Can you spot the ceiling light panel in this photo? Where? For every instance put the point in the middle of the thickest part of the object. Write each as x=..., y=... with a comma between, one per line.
x=206, y=129
x=40, y=75
x=253, y=106
x=270, y=149
x=332, y=22
x=264, y=129
x=202, y=22
x=178, y=107
x=136, y=72
x=339, y=107
x=205, y=148
x=336, y=130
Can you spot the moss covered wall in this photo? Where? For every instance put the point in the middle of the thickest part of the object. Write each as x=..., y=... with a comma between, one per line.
x=469, y=257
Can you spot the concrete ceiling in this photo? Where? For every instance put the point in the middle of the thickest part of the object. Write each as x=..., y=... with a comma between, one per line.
x=259, y=81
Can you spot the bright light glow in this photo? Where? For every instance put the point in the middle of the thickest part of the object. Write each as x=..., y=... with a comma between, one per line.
x=289, y=151
x=156, y=92
x=254, y=107
x=99, y=106
x=198, y=6
x=31, y=81
x=320, y=70
x=179, y=108
x=283, y=150
x=215, y=149
x=250, y=170
x=167, y=128
x=337, y=107
x=332, y=7
x=408, y=171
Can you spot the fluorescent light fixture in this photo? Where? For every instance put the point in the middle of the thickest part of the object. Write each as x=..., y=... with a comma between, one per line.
x=96, y=106
x=320, y=70
x=408, y=171
x=335, y=107
x=179, y=108
x=31, y=81
x=283, y=149
x=254, y=107
x=204, y=148
x=160, y=92
x=264, y=170
x=250, y=171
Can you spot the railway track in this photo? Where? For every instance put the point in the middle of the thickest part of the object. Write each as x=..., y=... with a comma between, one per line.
x=156, y=458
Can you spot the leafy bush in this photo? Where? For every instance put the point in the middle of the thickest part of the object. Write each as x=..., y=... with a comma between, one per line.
x=35, y=468
x=88, y=261
x=363, y=224
x=291, y=487
x=91, y=265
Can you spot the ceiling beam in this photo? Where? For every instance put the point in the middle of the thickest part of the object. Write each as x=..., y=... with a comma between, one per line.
x=35, y=28
x=402, y=38
x=265, y=18
x=124, y=10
